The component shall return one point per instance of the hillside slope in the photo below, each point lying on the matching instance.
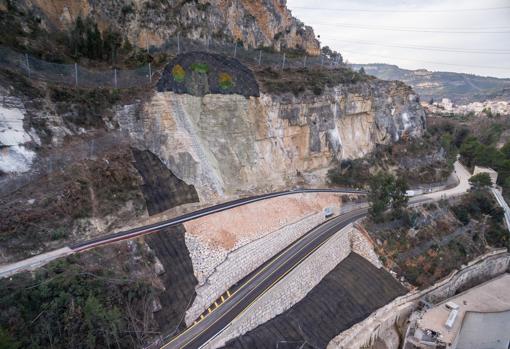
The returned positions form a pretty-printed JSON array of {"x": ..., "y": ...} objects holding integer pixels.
[{"x": 460, "y": 88}]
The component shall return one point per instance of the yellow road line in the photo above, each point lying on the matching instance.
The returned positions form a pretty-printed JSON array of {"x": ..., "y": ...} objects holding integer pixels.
[{"x": 281, "y": 253}]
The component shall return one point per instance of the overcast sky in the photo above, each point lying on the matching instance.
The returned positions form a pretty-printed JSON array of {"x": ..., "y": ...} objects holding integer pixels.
[{"x": 426, "y": 32}]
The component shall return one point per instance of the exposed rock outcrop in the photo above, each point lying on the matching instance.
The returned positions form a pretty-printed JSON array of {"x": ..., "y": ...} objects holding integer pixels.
[
  {"x": 228, "y": 144},
  {"x": 266, "y": 23}
]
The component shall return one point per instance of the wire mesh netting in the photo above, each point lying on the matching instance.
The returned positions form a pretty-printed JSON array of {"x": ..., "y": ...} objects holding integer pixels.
[{"x": 79, "y": 76}]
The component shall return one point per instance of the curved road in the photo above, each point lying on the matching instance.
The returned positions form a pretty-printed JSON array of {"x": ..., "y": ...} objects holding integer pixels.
[
  {"x": 200, "y": 333},
  {"x": 42, "y": 259}
]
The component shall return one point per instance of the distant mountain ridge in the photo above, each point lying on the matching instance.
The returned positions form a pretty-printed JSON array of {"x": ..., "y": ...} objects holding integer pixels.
[{"x": 460, "y": 88}]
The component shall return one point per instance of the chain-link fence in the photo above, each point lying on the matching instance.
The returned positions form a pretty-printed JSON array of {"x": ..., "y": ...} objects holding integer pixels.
[{"x": 79, "y": 76}]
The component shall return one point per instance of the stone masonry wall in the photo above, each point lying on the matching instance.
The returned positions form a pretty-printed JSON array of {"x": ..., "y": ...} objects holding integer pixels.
[
  {"x": 381, "y": 321},
  {"x": 290, "y": 289},
  {"x": 242, "y": 261},
  {"x": 362, "y": 244}
]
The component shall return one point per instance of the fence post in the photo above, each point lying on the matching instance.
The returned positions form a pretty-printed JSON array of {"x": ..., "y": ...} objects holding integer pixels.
[
  {"x": 304, "y": 62},
  {"x": 75, "y": 74},
  {"x": 28, "y": 65},
  {"x": 178, "y": 44},
  {"x": 115, "y": 77},
  {"x": 235, "y": 50},
  {"x": 283, "y": 61},
  {"x": 150, "y": 73},
  {"x": 260, "y": 56}
]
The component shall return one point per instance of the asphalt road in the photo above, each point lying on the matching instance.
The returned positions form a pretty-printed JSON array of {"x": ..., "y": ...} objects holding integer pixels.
[
  {"x": 44, "y": 258},
  {"x": 201, "y": 332},
  {"x": 128, "y": 234}
]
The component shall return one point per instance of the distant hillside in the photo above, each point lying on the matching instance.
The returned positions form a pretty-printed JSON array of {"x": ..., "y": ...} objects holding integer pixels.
[{"x": 460, "y": 88}]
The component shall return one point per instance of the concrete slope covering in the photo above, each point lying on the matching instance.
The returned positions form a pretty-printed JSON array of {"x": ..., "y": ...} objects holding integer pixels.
[{"x": 347, "y": 295}]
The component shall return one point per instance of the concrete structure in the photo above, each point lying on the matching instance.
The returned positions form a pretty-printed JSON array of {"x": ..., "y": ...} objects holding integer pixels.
[
  {"x": 440, "y": 326},
  {"x": 294, "y": 286},
  {"x": 493, "y": 174},
  {"x": 381, "y": 324}
]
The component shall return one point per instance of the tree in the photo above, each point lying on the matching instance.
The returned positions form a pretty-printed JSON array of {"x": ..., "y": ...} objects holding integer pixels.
[
  {"x": 431, "y": 101},
  {"x": 362, "y": 71},
  {"x": 480, "y": 181},
  {"x": 386, "y": 191}
]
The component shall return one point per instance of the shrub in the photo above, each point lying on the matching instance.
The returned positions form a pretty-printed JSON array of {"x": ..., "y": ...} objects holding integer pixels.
[
  {"x": 178, "y": 73},
  {"x": 200, "y": 68},
  {"x": 225, "y": 81}
]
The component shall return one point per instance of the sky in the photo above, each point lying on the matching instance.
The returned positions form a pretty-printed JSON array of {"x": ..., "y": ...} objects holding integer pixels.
[{"x": 468, "y": 36}]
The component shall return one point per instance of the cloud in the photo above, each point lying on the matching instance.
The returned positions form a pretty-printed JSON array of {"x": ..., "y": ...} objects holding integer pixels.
[{"x": 350, "y": 31}]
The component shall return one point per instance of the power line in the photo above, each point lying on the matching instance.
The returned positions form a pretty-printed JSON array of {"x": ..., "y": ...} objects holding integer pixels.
[
  {"x": 408, "y": 29},
  {"x": 399, "y": 10},
  {"x": 431, "y": 48},
  {"x": 430, "y": 62}
]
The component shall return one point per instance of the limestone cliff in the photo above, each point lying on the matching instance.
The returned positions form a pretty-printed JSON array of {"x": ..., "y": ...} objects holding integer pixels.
[
  {"x": 266, "y": 23},
  {"x": 227, "y": 144}
]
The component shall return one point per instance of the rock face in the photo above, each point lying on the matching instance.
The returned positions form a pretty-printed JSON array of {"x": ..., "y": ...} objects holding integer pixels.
[
  {"x": 266, "y": 23},
  {"x": 228, "y": 144}
]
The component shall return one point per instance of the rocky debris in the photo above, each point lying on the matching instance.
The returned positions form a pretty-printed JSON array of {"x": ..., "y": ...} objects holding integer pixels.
[
  {"x": 161, "y": 188},
  {"x": 344, "y": 297},
  {"x": 201, "y": 73}
]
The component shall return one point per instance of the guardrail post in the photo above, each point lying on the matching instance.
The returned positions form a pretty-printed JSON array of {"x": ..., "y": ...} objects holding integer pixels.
[
  {"x": 304, "y": 62},
  {"x": 260, "y": 56},
  {"x": 115, "y": 77},
  {"x": 150, "y": 73},
  {"x": 75, "y": 74},
  {"x": 283, "y": 61},
  {"x": 28, "y": 65}
]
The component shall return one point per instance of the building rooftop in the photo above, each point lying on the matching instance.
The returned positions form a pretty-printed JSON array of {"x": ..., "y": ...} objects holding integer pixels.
[{"x": 489, "y": 297}]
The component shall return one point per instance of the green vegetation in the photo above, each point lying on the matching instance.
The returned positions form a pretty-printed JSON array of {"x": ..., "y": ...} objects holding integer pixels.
[
  {"x": 225, "y": 81},
  {"x": 480, "y": 181},
  {"x": 202, "y": 68},
  {"x": 429, "y": 242},
  {"x": 69, "y": 304},
  {"x": 178, "y": 73},
  {"x": 386, "y": 191},
  {"x": 301, "y": 80}
]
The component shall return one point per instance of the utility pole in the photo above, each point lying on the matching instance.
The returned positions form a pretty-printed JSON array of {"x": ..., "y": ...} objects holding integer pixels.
[
  {"x": 260, "y": 56},
  {"x": 304, "y": 62},
  {"x": 150, "y": 73},
  {"x": 76, "y": 75},
  {"x": 178, "y": 43},
  {"x": 115, "y": 77},
  {"x": 322, "y": 60},
  {"x": 28, "y": 65},
  {"x": 235, "y": 49},
  {"x": 283, "y": 61}
]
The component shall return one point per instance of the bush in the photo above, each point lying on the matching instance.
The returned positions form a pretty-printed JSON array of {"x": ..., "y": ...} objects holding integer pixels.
[
  {"x": 200, "y": 68},
  {"x": 178, "y": 73},
  {"x": 225, "y": 81}
]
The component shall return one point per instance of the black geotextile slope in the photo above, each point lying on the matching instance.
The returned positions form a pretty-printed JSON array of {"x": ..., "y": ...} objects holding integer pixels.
[
  {"x": 346, "y": 296},
  {"x": 161, "y": 189},
  {"x": 170, "y": 247},
  {"x": 200, "y": 83}
]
